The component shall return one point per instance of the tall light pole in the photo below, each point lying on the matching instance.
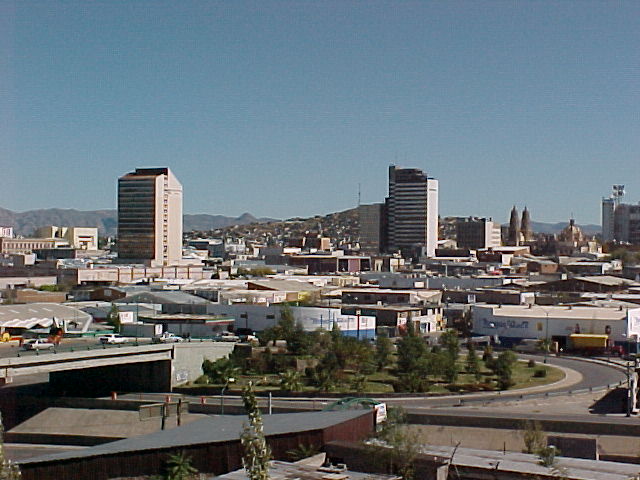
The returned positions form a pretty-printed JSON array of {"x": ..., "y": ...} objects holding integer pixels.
[
  {"x": 229, "y": 380},
  {"x": 546, "y": 337}
]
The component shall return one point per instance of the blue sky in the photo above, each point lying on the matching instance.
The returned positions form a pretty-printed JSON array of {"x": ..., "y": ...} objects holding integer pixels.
[{"x": 282, "y": 108}]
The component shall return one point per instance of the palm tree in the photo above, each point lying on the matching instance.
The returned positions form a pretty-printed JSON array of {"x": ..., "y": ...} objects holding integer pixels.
[
  {"x": 302, "y": 451},
  {"x": 290, "y": 381},
  {"x": 220, "y": 371},
  {"x": 179, "y": 467}
]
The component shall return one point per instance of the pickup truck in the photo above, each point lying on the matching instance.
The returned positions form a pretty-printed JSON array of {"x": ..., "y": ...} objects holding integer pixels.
[{"x": 38, "y": 344}]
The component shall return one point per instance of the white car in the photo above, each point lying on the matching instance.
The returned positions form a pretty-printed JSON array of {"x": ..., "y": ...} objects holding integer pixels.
[
  {"x": 167, "y": 337},
  {"x": 38, "y": 344},
  {"x": 227, "y": 337},
  {"x": 112, "y": 339}
]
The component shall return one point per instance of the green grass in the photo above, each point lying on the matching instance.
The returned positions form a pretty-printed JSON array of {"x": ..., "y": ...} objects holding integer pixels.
[
  {"x": 523, "y": 375},
  {"x": 381, "y": 382}
]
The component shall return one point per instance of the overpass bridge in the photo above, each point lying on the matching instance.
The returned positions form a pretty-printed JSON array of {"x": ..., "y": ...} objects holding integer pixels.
[{"x": 139, "y": 368}]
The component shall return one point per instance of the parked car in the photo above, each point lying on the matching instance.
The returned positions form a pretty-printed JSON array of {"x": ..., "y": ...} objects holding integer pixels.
[
  {"x": 167, "y": 337},
  {"x": 112, "y": 338},
  {"x": 227, "y": 337},
  {"x": 38, "y": 344},
  {"x": 528, "y": 345}
]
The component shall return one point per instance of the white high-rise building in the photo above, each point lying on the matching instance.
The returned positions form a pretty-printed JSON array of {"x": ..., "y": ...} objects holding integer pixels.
[
  {"x": 150, "y": 217},
  {"x": 412, "y": 211},
  {"x": 620, "y": 221}
]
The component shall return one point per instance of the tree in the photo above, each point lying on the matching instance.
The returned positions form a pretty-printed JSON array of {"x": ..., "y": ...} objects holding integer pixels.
[
  {"x": 533, "y": 436},
  {"x": 410, "y": 350},
  {"x": 290, "y": 381},
  {"x": 113, "y": 319},
  {"x": 450, "y": 370},
  {"x": 473, "y": 363},
  {"x": 503, "y": 368},
  {"x": 487, "y": 354},
  {"x": 451, "y": 343},
  {"x": 220, "y": 371},
  {"x": 359, "y": 383},
  {"x": 179, "y": 468},
  {"x": 400, "y": 445},
  {"x": 298, "y": 341},
  {"x": 8, "y": 469},
  {"x": 324, "y": 380},
  {"x": 257, "y": 453},
  {"x": 384, "y": 350}
]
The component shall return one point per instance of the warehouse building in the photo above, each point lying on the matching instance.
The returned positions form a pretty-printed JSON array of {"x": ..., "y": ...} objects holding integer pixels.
[{"x": 513, "y": 323}]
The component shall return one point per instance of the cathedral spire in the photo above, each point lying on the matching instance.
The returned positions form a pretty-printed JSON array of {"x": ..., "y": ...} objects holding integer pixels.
[{"x": 514, "y": 228}]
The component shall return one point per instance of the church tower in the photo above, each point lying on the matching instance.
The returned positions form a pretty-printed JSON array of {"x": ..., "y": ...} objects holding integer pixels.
[
  {"x": 525, "y": 226},
  {"x": 513, "y": 238}
]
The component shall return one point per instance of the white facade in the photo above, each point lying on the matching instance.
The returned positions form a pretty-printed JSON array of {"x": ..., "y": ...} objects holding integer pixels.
[
  {"x": 259, "y": 317},
  {"x": 84, "y": 238},
  {"x": 519, "y": 321},
  {"x": 6, "y": 232}
]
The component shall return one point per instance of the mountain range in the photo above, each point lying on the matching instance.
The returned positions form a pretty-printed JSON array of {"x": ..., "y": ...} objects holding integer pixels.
[{"x": 25, "y": 223}]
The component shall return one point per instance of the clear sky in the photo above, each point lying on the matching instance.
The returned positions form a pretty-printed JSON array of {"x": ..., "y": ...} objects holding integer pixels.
[{"x": 282, "y": 108}]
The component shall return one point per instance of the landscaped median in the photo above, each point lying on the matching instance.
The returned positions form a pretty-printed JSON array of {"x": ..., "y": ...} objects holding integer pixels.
[{"x": 292, "y": 361}]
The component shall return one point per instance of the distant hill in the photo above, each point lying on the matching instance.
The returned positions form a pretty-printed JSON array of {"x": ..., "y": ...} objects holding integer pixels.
[
  {"x": 540, "y": 227},
  {"x": 25, "y": 223}
]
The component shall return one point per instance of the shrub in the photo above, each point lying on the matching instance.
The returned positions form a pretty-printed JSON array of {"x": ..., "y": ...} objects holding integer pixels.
[
  {"x": 531, "y": 363},
  {"x": 540, "y": 373}
]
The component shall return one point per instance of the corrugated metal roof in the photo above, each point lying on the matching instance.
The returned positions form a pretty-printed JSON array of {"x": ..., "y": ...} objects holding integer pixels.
[
  {"x": 41, "y": 314},
  {"x": 216, "y": 429},
  {"x": 163, "y": 297}
]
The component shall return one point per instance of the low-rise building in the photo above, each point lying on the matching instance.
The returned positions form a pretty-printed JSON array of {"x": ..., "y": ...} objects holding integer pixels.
[
  {"x": 512, "y": 323},
  {"x": 331, "y": 263},
  {"x": 128, "y": 274},
  {"x": 386, "y": 296},
  {"x": 82, "y": 238},
  {"x": 475, "y": 233},
  {"x": 28, "y": 245}
]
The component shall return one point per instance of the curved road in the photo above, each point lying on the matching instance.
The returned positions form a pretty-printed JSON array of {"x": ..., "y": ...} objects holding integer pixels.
[{"x": 593, "y": 375}]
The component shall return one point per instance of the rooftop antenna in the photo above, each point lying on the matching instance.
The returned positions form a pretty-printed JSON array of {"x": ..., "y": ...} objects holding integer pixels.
[
  {"x": 618, "y": 193},
  {"x": 359, "y": 193}
]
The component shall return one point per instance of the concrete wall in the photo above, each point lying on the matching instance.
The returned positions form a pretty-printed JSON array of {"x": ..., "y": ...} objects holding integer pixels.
[
  {"x": 101, "y": 381},
  {"x": 188, "y": 357}
]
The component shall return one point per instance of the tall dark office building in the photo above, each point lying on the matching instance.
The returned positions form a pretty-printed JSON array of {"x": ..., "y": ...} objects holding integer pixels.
[
  {"x": 412, "y": 210},
  {"x": 150, "y": 217}
]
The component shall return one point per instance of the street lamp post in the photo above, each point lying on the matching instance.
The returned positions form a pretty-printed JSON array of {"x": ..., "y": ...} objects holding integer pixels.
[
  {"x": 230, "y": 380},
  {"x": 546, "y": 337}
]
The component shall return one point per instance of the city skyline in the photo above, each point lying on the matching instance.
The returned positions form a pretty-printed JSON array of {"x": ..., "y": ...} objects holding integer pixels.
[{"x": 287, "y": 110}]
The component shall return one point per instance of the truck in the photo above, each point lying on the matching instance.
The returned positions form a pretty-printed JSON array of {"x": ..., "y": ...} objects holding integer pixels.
[{"x": 592, "y": 345}]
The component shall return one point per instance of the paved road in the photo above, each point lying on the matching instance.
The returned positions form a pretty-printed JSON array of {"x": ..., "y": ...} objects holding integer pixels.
[
  {"x": 593, "y": 375},
  {"x": 12, "y": 349}
]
